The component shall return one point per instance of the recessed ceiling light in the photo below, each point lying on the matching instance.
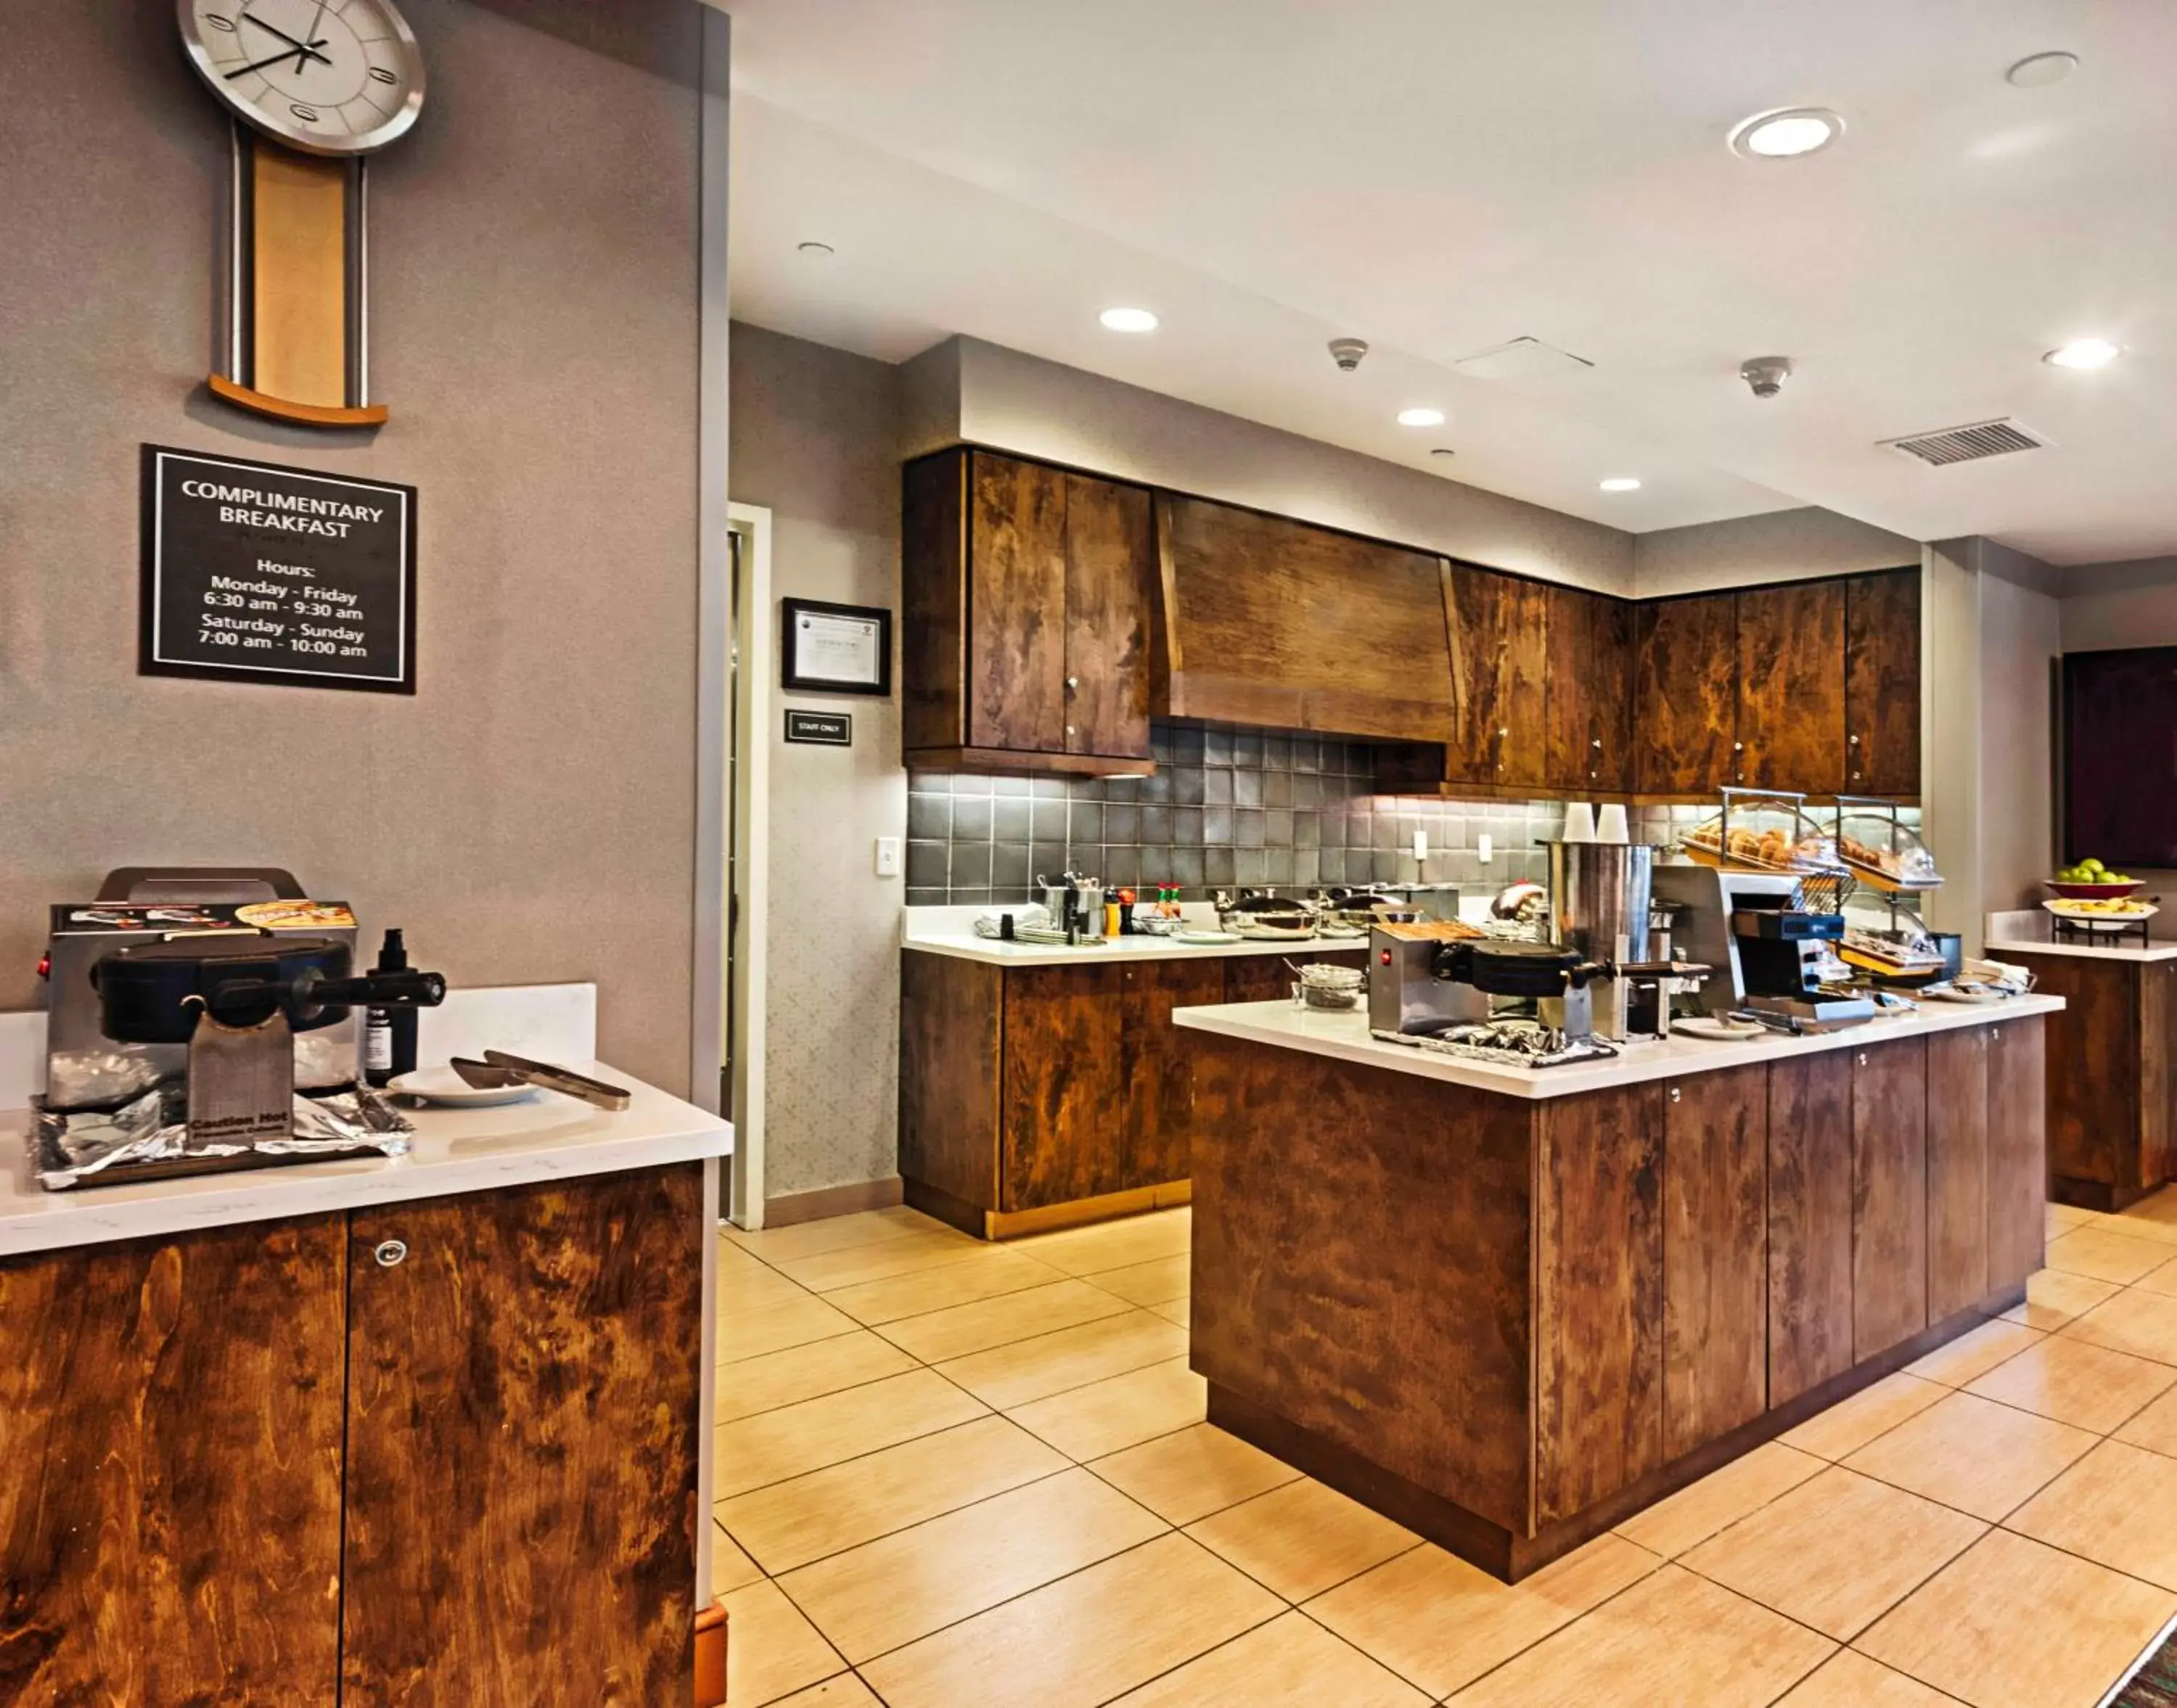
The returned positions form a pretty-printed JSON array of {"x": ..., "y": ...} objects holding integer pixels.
[
  {"x": 2084, "y": 352},
  {"x": 2039, "y": 70},
  {"x": 1128, "y": 319},
  {"x": 814, "y": 248},
  {"x": 1788, "y": 131},
  {"x": 1421, "y": 417},
  {"x": 1620, "y": 482}
]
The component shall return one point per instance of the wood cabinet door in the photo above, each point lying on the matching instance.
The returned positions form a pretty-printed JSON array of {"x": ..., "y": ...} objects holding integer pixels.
[
  {"x": 1589, "y": 690},
  {"x": 1810, "y": 1176},
  {"x": 1111, "y": 571},
  {"x": 524, "y": 1407},
  {"x": 933, "y": 567},
  {"x": 1889, "y": 1195},
  {"x": 1598, "y": 1297},
  {"x": 950, "y": 1046},
  {"x": 1016, "y": 605},
  {"x": 2094, "y": 1068},
  {"x": 170, "y": 1418},
  {"x": 2017, "y": 1150},
  {"x": 1957, "y": 1170},
  {"x": 1686, "y": 692},
  {"x": 1498, "y": 627},
  {"x": 1791, "y": 687},
  {"x": 1882, "y": 683},
  {"x": 1064, "y": 1096},
  {"x": 1160, "y": 1066},
  {"x": 2157, "y": 1072},
  {"x": 1715, "y": 1245}
]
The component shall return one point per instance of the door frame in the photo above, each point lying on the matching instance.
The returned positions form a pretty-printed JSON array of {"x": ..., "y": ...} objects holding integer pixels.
[{"x": 747, "y": 958}]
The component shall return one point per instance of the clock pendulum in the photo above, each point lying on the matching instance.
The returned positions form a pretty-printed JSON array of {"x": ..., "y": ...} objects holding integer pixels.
[{"x": 313, "y": 87}]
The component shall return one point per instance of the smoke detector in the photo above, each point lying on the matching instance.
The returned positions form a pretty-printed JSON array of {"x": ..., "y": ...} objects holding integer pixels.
[
  {"x": 1347, "y": 352},
  {"x": 1765, "y": 375}
]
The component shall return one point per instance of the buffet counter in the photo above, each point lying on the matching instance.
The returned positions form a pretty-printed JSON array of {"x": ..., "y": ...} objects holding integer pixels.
[
  {"x": 1508, "y": 1308},
  {"x": 264, "y": 1436}
]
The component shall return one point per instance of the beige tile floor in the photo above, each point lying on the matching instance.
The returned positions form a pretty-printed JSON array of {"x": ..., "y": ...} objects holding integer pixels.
[{"x": 957, "y": 1476}]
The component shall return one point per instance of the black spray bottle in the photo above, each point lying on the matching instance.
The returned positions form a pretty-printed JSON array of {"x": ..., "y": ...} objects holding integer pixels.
[{"x": 389, "y": 1034}]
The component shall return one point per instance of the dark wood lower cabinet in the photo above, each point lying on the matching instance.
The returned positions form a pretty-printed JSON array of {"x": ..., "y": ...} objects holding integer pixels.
[
  {"x": 1810, "y": 1197},
  {"x": 1716, "y": 1249},
  {"x": 170, "y": 1469},
  {"x": 1063, "y": 1133},
  {"x": 522, "y": 1420},
  {"x": 1957, "y": 1170},
  {"x": 264, "y": 1466},
  {"x": 1710, "y": 1260},
  {"x": 1598, "y": 1299},
  {"x": 1889, "y": 1195},
  {"x": 1031, "y": 1096},
  {"x": 2112, "y": 1077}
]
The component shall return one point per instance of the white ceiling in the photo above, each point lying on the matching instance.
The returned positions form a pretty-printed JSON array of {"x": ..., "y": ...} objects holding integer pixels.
[{"x": 1439, "y": 176}]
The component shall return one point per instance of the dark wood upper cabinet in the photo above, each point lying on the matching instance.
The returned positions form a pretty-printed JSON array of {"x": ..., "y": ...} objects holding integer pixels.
[
  {"x": 1686, "y": 683},
  {"x": 1497, "y": 629},
  {"x": 1588, "y": 691},
  {"x": 1882, "y": 683},
  {"x": 1016, "y": 605},
  {"x": 1790, "y": 718},
  {"x": 1274, "y": 622},
  {"x": 1030, "y": 596}
]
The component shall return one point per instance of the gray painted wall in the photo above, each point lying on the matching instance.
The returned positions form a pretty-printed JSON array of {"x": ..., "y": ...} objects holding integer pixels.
[
  {"x": 815, "y": 441},
  {"x": 2130, "y": 604},
  {"x": 1782, "y": 546},
  {"x": 528, "y": 815}
]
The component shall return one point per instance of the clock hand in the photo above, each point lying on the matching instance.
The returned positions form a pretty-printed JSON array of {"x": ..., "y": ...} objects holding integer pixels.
[
  {"x": 295, "y": 54},
  {"x": 301, "y": 49}
]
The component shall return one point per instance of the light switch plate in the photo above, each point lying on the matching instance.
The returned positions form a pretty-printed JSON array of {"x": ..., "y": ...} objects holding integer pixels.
[
  {"x": 1482, "y": 845},
  {"x": 1421, "y": 844},
  {"x": 887, "y": 856}
]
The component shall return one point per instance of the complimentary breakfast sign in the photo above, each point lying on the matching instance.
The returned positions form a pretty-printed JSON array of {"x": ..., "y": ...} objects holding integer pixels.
[{"x": 277, "y": 574}]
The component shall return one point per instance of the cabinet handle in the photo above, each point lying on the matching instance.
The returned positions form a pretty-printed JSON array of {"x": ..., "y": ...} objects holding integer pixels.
[
  {"x": 1502, "y": 733},
  {"x": 1071, "y": 684},
  {"x": 1069, "y": 729},
  {"x": 1597, "y": 743},
  {"x": 390, "y": 1253},
  {"x": 1862, "y": 1058},
  {"x": 1739, "y": 747},
  {"x": 1852, "y": 741},
  {"x": 1675, "y": 1094}
]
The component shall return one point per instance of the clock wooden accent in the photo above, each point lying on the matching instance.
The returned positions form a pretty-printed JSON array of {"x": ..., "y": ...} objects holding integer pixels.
[{"x": 315, "y": 87}]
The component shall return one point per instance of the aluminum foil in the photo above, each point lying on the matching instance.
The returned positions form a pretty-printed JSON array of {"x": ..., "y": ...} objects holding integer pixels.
[{"x": 77, "y": 1146}]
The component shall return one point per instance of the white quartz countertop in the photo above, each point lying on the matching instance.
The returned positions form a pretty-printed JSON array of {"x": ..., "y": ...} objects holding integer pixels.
[
  {"x": 454, "y": 1150},
  {"x": 1346, "y": 1036},
  {"x": 2129, "y": 951}
]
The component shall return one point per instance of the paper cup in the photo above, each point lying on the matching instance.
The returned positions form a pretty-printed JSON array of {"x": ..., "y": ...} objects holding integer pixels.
[
  {"x": 1610, "y": 826},
  {"x": 1580, "y": 822}
]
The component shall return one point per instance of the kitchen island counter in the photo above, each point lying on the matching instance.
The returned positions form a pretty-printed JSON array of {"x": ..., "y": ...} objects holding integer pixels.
[
  {"x": 1509, "y": 1307},
  {"x": 1346, "y": 1036}
]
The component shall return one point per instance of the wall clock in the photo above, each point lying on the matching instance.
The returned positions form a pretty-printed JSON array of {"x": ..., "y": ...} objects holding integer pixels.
[{"x": 313, "y": 87}]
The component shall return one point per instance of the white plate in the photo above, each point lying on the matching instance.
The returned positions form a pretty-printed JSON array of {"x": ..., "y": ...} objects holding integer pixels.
[
  {"x": 1714, "y": 1026},
  {"x": 1204, "y": 938},
  {"x": 442, "y": 1085}
]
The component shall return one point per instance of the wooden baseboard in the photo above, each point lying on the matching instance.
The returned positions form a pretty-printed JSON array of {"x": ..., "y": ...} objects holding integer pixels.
[
  {"x": 711, "y": 1657},
  {"x": 1013, "y": 1225},
  {"x": 1507, "y": 1555},
  {"x": 785, "y": 1210},
  {"x": 2095, "y": 1194}
]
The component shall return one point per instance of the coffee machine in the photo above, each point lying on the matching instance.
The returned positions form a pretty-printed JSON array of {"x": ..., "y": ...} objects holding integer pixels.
[{"x": 1765, "y": 954}]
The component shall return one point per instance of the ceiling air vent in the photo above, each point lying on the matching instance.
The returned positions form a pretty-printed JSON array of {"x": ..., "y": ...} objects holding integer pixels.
[{"x": 1967, "y": 444}]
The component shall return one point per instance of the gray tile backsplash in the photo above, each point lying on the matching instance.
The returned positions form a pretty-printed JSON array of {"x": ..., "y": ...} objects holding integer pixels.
[{"x": 1228, "y": 806}]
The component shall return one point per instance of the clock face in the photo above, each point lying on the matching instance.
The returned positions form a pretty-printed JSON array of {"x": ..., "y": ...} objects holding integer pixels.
[{"x": 335, "y": 77}]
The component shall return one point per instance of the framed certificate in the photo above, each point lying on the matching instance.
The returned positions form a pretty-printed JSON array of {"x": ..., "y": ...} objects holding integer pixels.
[{"x": 836, "y": 649}]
